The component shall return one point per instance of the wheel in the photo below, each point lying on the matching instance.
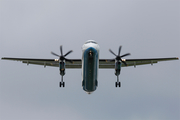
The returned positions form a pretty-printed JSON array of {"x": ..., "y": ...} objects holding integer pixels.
[
  {"x": 115, "y": 84},
  {"x": 60, "y": 84},
  {"x": 63, "y": 84},
  {"x": 119, "y": 84}
]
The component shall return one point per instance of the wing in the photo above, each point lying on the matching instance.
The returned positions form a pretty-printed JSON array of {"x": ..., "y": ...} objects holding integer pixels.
[
  {"x": 110, "y": 63},
  {"x": 47, "y": 62},
  {"x": 103, "y": 63}
]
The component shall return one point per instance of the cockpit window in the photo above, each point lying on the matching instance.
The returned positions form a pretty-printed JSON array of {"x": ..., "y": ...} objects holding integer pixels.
[
  {"x": 91, "y": 42},
  {"x": 94, "y": 42}
]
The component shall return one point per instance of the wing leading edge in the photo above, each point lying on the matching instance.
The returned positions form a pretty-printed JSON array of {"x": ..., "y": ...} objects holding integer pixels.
[{"x": 77, "y": 63}]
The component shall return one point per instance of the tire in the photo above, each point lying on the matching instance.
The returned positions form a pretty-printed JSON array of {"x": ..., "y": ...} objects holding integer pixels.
[
  {"x": 118, "y": 84},
  {"x": 63, "y": 84},
  {"x": 59, "y": 84}
]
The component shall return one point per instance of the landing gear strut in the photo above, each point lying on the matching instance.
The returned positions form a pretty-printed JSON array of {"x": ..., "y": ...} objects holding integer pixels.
[
  {"x": 62, "y": 60},
  {"x": 118, "y": 84},
  {"x": 117, "y": 73},
  {"x": 118, "y": 61},
  {"x": 62, "y": 73},
  {"x": 62, "y": 83}
]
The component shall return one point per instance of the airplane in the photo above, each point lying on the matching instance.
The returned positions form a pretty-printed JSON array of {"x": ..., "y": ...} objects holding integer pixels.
[{"x": 90, "y": 63}]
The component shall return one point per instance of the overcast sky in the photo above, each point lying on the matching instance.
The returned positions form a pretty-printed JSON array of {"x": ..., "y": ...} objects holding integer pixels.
[{"x": 34, "y": 28}]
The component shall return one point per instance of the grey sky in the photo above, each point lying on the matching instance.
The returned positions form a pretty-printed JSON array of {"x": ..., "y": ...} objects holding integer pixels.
[{"x": 145, "y": 28}]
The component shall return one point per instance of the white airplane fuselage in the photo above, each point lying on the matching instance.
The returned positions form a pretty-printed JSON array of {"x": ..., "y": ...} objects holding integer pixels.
[{"x": 90, "y": 65}]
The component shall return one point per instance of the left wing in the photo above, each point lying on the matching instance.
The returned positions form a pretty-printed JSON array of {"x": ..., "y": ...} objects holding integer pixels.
[
  {"x": 76, "y": 63},
  {"x": 110, "y": 63}
]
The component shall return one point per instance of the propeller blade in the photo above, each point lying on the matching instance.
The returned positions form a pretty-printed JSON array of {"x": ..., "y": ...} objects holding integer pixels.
[
  {"x": 68, "y": 53},
  {"x": 124, "y": 63},
  {"x": 125, "y": 55},
  {"x": 112, "y": 52},
  {"x": 61, "y": 50},
  {"x": 118, "y": 57},
  {"x": 119, "y": 50},
  {"x": 62, "y": 57},
  {"x": 55, "y": 54}
]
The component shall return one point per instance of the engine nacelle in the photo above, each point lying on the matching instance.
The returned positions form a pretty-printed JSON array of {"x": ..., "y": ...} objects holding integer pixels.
[
  {"x": 62, "y": 68},
  {"x": 117, "y": 68}
]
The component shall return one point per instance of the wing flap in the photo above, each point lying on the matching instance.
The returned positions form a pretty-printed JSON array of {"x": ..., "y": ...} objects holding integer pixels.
[
  {"x": 52, "y": 64},
  {"x": 135, "y": 62}
]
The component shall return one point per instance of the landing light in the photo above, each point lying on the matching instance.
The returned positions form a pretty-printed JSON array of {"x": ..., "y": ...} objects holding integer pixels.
[{"x": 56, "y": 59}]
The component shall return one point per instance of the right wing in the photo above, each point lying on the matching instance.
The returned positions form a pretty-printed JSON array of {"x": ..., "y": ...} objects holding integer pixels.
[{"x": 76, "y": 63}]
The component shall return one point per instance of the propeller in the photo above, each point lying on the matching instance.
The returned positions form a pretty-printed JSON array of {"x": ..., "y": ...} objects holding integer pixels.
[
  {"x": 62, "y": 57},
  {"x": 118, "y": 57}
]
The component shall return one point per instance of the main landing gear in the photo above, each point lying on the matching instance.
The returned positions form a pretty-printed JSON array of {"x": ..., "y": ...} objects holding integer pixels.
[
  {"x": 62, "y": 83},
  {"x": 118, "y": 61},
  {"x": 117, "y": 73},
  {"x": 62, "y": 60},
  {"x": 117, "y": 84}
]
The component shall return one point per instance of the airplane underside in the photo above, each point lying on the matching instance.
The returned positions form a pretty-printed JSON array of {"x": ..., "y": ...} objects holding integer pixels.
[
  {"x": 90, "y": 63},
  {"x": 90, "y": 67}
]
